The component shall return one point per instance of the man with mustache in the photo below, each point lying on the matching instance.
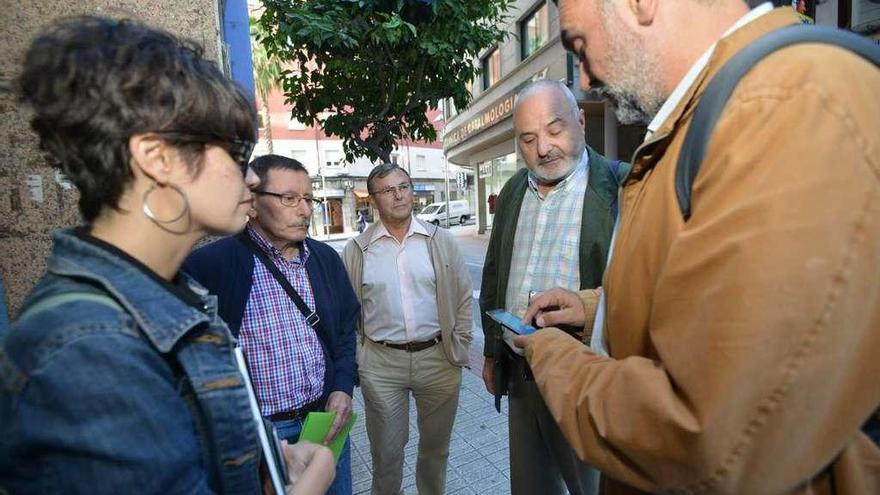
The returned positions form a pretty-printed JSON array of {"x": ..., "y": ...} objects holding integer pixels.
[
  {"x": 735, "y": 350},
  {"x": 552, "y": 228},
  {"x": 415, "y": 331},
  {"x": 298, "y": 362}
]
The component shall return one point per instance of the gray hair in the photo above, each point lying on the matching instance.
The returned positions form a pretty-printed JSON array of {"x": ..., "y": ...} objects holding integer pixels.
[
  {"x": 542, "y": 84},
  {"x": 382, "y": 170}
]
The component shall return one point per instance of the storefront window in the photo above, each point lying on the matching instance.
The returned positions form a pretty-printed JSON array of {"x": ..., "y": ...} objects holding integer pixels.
[{"x": 496, "y": 173}]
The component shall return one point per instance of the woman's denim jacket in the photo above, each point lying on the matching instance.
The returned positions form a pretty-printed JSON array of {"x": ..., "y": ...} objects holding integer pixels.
[{"x": 141, "y": 396}]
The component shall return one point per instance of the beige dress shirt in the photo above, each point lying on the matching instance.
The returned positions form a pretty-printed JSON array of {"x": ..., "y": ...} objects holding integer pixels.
[{"x": 399, "y": 288}]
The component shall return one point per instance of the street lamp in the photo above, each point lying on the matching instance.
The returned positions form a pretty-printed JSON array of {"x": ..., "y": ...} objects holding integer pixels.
[
  {"x": 442, "y": 118},
  {"x": 446, "y": 181}
]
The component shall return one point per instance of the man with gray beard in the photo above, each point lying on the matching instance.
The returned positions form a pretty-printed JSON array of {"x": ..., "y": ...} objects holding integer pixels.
[
  {"x": 734, "y": 348},
  {"x": 552, "y": 228}
]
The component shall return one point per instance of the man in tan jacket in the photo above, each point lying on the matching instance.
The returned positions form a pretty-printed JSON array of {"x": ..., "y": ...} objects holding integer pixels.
[
  {"x": 415, "y": 330},
  {"x": 742, "y": 341}
]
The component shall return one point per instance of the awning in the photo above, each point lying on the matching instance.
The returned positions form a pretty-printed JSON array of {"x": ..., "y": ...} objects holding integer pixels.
[{"x": 361, "y": 193}]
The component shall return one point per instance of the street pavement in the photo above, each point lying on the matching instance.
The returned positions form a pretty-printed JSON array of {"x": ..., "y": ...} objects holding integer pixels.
[{"x": 478, "y": 452}]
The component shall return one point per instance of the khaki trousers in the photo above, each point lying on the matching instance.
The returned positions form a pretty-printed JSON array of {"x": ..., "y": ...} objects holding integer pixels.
[{"x": 387, "y": 378}]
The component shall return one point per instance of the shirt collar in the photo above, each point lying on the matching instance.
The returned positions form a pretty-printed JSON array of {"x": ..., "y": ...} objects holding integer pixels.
[
  {"x": 581, "y": 166},
  {"x": 272, "y": 251},
  {"x": 698, "y": 66},
  {"x": 163, "y": 317},
  {"x": 415, "y": 227}
]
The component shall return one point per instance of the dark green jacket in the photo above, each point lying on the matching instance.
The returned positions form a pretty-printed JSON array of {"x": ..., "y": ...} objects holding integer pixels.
[{"x": 596, "y": 226}]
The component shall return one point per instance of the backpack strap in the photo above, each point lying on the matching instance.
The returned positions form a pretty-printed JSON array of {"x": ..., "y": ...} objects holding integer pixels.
[
  {"x": 721, "y": 86},
  {"x": 312, "y": 317}
]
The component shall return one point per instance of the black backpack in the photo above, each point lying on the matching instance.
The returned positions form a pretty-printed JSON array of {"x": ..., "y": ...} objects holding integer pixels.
[{"x": 722, "y": 85}]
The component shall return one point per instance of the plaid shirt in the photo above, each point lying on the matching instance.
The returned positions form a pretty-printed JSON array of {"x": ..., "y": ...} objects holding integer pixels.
[
  {"x": 548, "y": 234},
  {"x": 284, "y": 355}
]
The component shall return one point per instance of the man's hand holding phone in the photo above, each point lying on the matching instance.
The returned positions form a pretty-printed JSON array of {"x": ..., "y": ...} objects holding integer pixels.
[
  {"x": 555, "y": 307},
  {"x": 512, "y": 327}
]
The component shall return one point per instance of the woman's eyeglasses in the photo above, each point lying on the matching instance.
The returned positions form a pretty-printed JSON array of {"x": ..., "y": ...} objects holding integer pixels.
[{"x": 239, "y": 149}]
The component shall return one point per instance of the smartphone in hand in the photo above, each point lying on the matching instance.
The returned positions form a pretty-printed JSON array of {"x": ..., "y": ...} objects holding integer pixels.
[{"x": 510, "y": 321}]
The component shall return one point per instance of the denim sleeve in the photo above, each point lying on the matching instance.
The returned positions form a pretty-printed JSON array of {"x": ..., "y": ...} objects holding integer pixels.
[{"x": 102, "y": 414}]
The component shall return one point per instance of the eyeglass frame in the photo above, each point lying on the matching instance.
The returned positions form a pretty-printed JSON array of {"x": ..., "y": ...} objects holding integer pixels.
[
  {"x": 400, "y": 188},
  {"x": 310, "y": 202},
  {"x": 239, "y": 149}
]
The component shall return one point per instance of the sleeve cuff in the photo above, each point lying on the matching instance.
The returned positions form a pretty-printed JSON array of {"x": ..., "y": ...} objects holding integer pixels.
[{"x": 590, "y": 300}]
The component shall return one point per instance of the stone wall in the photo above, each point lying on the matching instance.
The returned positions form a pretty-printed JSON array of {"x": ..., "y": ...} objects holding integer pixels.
[{"x": 33, "y": 202}]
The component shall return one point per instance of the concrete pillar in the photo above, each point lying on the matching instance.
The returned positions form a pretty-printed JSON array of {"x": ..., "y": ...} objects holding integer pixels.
[
  {"x": 610, "y": 131},
  {"x": 349, "y": 213},
  {"x": 34, "y": 200},
  {"x": 482, "y": 208}
]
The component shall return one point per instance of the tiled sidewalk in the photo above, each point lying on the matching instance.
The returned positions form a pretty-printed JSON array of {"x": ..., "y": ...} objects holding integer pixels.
[{"x": 478, "y": 454}]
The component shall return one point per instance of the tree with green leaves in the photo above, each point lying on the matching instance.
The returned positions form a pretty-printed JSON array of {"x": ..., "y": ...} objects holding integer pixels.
[
  {"x": 368, "y": 70},
  {"x": 267, "y": 74}
]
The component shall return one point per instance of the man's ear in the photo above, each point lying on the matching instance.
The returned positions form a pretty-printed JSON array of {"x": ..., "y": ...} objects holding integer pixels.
[
  {"x": 644, "y": 11},
  {"x": 582, "y": 119},
  {"x": 150, "y": 156}
]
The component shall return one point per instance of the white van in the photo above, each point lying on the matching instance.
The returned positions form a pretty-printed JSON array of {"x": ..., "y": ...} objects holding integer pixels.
[{"x": 459, "y": 213}]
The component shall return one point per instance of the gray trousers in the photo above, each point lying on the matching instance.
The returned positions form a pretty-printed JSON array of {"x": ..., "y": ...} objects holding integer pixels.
[{"x": 541, "y": 460}]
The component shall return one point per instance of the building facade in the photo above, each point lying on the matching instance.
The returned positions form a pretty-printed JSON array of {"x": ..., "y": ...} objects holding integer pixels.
[
  {"x": 343, "y": 185},
  {"x": 480, "y": 137}
]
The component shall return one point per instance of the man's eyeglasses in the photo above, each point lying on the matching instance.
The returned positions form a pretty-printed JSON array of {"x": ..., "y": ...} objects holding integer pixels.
[
  {"x": 291, "y": 200},
  {"x": 401, "y": 188},
  {"x": 239, "y": 149}
]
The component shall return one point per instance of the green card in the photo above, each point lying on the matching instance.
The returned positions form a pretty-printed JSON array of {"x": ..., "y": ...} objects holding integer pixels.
[{"x": 317, "y": 425}]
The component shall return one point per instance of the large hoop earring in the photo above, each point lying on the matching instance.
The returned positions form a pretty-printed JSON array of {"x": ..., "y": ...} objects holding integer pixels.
[{"x": 152, "y": 216}]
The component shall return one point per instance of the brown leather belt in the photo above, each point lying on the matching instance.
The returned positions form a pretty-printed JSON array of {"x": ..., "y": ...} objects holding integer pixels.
[
  {"x": 412, "y": 346},
  {"x": 299, "y": 414}
]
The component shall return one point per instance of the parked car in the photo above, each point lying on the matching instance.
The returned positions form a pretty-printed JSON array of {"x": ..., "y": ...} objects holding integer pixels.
[{"x": 459, "y": 213}]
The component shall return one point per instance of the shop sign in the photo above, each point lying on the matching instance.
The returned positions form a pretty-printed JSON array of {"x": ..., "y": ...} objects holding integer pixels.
[
  {"x": 494, "y": 113},
  {"x": 329, "y": 193},
  {"x": 497, "y": 111},
  {"x": 423, "y": 187},
  {"x": 486, "y": 169}
]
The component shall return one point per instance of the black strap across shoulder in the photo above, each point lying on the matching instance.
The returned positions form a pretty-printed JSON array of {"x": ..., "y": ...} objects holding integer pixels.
[
  {"x": 722, "y": 85},
  {"x": 312, "y": 317}
]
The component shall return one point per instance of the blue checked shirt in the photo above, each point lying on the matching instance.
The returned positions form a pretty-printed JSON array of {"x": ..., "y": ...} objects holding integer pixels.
[
  {"x": 284, "y": 355},
  {"x": 548, "y": 234}
]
